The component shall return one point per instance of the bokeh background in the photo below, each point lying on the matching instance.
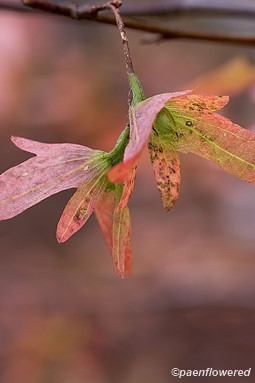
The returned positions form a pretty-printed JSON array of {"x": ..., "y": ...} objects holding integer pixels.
[{"x": 65, "y": 316}]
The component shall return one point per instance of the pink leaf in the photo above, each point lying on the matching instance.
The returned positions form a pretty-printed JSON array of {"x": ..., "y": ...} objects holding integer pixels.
[
  {"x": 141, "y": 118},
  {"x": 79, "y": 209},
  {"x": 56, "y": 167},
  {"x": 62, "y": 166},
  {"x": 45, "y": 150}
]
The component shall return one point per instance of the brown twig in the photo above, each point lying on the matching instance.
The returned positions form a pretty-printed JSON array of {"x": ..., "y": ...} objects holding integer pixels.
[
  {"x": 124, "y": 39},
  {"x": 12, "y": 7},
  {"x": 72, "y": 10},
  {"x": 242, "y": 8},
  {"x": 166, "y": 32}
]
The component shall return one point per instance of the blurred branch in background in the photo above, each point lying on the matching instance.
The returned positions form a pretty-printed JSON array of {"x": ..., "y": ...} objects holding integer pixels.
[
  {"x": 7, "y": 6},
  {"x": 131, "y": 18},
  {"x": 232, "y": 8}
]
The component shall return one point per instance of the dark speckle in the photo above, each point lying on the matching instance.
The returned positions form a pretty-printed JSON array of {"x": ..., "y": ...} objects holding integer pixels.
[{"x": 155, "y": 132}]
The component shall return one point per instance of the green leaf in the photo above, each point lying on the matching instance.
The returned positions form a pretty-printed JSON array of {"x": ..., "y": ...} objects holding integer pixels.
[{"x": 201, "y": 131}]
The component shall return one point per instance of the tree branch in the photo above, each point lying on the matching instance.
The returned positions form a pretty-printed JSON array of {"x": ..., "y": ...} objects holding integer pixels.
[
  {"x": 79, "y": 13},
  {"x": 234, "y": 8},
  {"x": 12, "y": 7}
]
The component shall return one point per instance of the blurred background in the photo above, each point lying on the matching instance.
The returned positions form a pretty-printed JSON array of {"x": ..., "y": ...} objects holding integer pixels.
[{"x": 65, "y": 316}]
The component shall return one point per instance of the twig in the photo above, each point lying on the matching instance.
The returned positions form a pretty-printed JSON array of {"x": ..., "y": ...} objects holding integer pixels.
[
  {"x": 6, "y": 6},
  {"x": 124, "y": 39},
  {"x": 74, "y": 11},
  {"x": 136, "y": 24},
  {"x": 174, "y": 7},
  {"x": 126, "y": 50}
]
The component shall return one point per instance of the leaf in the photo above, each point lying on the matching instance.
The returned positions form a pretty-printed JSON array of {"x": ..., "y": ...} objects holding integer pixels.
[
  {"x": 128, "y": 261},
  {"x": 231, "y": 78},
  {"x": 116, "y": 228},
  {"x": 212, "y": 136},
  {"x": 79, "y": 209},
  {"x": 62, "y": 166},
  {"x": 141, "y": 117},
  {"x": 166, "y": 166},
  {"x": 46, "y": 150},
  {"x": 121, "y": 239},
  {"x": 56, "y": 167},
  {"x": 192, "y": 126},
  {"x": 128, "y": 188}
]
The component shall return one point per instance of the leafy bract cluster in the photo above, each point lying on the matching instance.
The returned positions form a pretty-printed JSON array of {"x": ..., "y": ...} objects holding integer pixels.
[
  {"x": 183, "y": 122},
  {"x": 58, "y": 167},
  {"x": 169, "y": 123}
]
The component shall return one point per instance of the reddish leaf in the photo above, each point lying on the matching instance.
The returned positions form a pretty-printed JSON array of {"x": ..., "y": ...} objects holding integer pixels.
[
  {"x": 166, "y": 166},
  {"x": 116, "y": 229},
  {"x": 104, "y": 212},
  {"x": 79, "y": 209},
  {"x": 128, "y": 188}
]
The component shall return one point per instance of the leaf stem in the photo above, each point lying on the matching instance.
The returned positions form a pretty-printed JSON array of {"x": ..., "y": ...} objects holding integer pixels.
[{"x": 117, "y": 153}]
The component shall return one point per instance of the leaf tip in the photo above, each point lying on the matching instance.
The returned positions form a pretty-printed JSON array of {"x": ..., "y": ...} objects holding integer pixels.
[
  {"x": 14, "y": 139},
  {"x": 62, "y": 235},
  {"x": 120, "y": 273},
  {"x": 60, "y": 238},
  {"x": 168, "y": 208}
]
